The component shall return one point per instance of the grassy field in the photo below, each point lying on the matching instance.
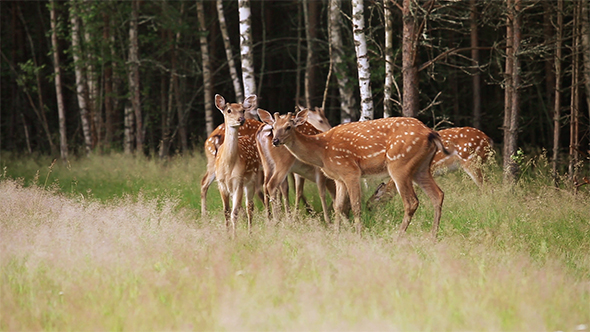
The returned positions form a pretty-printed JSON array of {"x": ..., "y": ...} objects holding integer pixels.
[{"x": 118, "y": 243}]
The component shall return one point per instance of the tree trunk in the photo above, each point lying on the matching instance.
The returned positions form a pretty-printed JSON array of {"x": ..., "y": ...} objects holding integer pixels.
[
  {"x": 208, "y": 89},
  {"x": 411, "y": 98},
  {"x": 81, "y": 86},
  {"x": 310, "y": 15},
  {"x": 246, "y": 49},
  {"x": 347, "y": 99},
  {"x": 89, "y": 59},
  {"x": 476, "y": 76},
  {"x": 511, "y": 167},
  {"x": 586, "y": 53},
  {"x": 167, "y": 98},
  {"x": 63, "y": 140},
  {"x": 230, "y": 57},
  {"x": 108, "y": 83},
  {"x": 129, "y": 129},
  {"x": 575, "y": 95},
  {"x": 557, "y": 100},
  {"x": 388, "y": 87},
  {"x": 133, "y": 72},
  {"x": 549, "y": 39},
  {"x": 177, "y": 93},
  {"x": 362, "y": 58}
]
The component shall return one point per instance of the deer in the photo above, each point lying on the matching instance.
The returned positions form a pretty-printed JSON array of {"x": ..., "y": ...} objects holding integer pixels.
[
  {"x": 237, "y": 162},
  {"x": 401, "y": 148},
  {"x": 317, "y": 118},
  {"x": 278, "y": 162},
  {"x": 211, "y": 147},
  {"x": 469, "y": 150}
]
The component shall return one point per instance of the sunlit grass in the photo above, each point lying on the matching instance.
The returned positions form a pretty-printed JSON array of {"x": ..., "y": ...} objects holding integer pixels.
[{"x": 127, "y": 250}]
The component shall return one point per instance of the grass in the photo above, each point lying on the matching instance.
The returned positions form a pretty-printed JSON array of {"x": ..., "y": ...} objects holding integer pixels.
[{"x": 87, "y": 246}]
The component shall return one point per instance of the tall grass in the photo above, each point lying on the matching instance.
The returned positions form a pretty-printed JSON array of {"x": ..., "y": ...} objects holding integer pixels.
[{"x": 78, "y": 255}]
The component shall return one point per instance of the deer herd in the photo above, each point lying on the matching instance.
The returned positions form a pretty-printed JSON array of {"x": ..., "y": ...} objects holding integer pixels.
[{"x": 248, "y": 157}]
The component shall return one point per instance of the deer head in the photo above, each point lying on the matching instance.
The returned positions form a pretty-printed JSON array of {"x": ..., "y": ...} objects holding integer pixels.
[{"x": 235, "y": 114}]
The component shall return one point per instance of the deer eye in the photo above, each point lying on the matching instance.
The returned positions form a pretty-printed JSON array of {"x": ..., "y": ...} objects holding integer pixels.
[{"x": 288, "y": 128}]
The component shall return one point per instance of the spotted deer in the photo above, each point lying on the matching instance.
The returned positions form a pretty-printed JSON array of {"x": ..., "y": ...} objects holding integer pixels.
[
  {"x": 402, "y": 148},
  {"x": 237, "y": 162},
  {"x": 212, "y": 144},
  {"x": 278, "y": 162},
  {"x": 469, "y": 150}
]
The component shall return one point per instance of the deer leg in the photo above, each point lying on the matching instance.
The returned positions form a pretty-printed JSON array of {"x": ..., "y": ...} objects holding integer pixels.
[
  {"x": 205, "y": 184},
  {"x": 249, "y": 192},
  {"x": 341, "y": 196},
  {"x": 236, "y": 205},
  {"x": 226, "y": 204},
  {"x": 299, "y": 197},
  {"x": 425, "y": 180},
  {"x": 354, "y": 194},
  {"x": 275, "y": 182},
  {"x": 410, "y": 200},
  {"x": 285, "y": 193},
  {"x": 321, "y": 183}
]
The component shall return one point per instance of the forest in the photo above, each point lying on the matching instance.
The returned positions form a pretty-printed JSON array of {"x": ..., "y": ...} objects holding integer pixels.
[{"x": 87, "y": 77}]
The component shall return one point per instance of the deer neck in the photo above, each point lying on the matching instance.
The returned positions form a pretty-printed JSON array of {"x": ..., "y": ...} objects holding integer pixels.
[
  {"x": 230, "y": 147},
  {"x": 308, "y": 148}
]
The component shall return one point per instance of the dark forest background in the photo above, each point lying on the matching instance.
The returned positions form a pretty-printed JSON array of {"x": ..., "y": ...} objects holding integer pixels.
[{"x": 171, "y": 68}]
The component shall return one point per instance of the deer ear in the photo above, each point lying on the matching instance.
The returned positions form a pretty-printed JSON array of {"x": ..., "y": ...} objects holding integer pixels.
[
  {"x": 250, "y": 103},
  {"x": 219, "y": 102},
  {"x": 300, "y": 118},
  {"x": 265, "y": 117}
]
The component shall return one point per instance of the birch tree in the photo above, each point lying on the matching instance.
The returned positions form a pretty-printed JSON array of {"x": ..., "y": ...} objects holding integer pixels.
[
  {"x": 347, "y": 99},
  {"x": 229, "y": 55},
  {"x": 81, "y": 85},
  {"x": 246, "y": 48},
  {"x": 364, "y": 70},
  {"x": 208, "y": 89},
  {"x": 89, "y": 60},
  {"x": 63, "y": 140},
  {"x": 133, "y": 73}
]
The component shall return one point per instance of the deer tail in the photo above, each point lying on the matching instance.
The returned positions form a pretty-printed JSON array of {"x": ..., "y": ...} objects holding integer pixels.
[{"x": 435, "y": 138}]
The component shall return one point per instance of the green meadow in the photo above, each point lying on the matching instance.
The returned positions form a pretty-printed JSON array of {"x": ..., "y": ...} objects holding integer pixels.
[{"x": 112, "y": 242}]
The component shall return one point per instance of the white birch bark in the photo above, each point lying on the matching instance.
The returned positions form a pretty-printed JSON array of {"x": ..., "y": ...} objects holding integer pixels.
[
  {"x": 246, "y": 48},
  {"x": 63, "y": 140},
  {"x": 364, "y": 72},
  {"x": 94, "y": 108},
  {"x": 208, "y": 89},
  {"x": 229, "y": 54},
  {"x": 80, "y": 78}
]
